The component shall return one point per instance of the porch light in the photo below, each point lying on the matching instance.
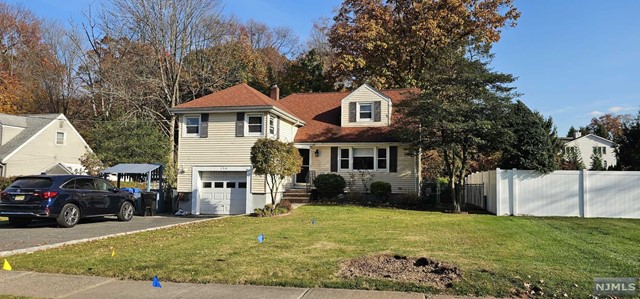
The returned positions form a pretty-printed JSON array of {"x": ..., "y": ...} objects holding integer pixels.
[{"x": 316, "y": 153}]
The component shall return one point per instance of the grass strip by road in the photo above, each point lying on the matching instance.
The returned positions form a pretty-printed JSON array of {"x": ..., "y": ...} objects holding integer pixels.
[{"x": 495, "y": 254}]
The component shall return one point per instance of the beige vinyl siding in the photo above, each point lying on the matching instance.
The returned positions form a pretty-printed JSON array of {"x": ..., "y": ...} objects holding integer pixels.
[
  {"x": 8, "y": 132},
  {"x": 42, "y": 151},
  {"x": 401, "y": 182},
  {"x": 287, "y": 131},
  {"x": 220, "y": 148},
  {"x": 364, "y": 95}
]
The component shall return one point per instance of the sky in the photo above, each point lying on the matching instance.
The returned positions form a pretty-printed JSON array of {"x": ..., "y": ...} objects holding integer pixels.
[{"x": 574, "y": 59}]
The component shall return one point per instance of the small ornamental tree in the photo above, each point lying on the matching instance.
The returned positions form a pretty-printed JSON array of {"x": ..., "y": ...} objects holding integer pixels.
[{"x": 276, "y": 160}]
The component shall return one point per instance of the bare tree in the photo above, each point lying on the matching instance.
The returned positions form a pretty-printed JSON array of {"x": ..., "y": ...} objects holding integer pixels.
[
  {"x": 172, "y": 28},
  {"x": 59, "y": 77},
  {"x": 281, "y": 39}
]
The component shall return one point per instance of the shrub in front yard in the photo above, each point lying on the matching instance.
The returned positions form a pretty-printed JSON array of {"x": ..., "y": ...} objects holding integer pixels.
[
  {"x": 6, "y": 181},
  {"x": 283, "y": 207},
  {"x": 329, "y": 185},
  {"x": 381, "y": 190}
]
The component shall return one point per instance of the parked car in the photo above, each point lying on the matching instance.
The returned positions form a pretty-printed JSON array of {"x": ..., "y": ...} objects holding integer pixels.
[{"x": 65, "y": 198}]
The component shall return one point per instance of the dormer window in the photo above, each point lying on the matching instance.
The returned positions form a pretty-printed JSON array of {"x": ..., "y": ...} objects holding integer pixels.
[{"x": 365, "y": 111}]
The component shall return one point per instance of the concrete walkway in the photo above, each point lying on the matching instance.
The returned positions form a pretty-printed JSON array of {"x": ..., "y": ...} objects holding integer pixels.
[{"x": 43, "y": 285}]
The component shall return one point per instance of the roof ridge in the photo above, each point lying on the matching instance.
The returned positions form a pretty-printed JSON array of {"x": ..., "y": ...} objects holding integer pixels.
[
  {"x": 261, "y": 96},
  {"x": 350, "y": 91}
]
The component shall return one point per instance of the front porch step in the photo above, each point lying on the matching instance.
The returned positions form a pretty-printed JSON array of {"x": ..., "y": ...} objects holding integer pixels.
[
  {"x": 296, "y": 200},
  {"x": 296, "y": 195},
  {"x": 297, "y": 191}
]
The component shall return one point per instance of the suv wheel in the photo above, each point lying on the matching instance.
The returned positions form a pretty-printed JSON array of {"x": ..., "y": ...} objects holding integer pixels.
[
  {"x": 19, "y": 222},
  {"x": 69, "y": 216},
  {"x": 126, "y": 211}
]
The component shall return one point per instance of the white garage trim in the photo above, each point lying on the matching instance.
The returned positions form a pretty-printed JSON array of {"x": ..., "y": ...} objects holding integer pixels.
[{"x": 196, "y": 182}]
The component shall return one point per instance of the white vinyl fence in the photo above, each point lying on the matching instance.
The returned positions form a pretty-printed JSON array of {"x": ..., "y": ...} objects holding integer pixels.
[{"x": 579, "y": 193}]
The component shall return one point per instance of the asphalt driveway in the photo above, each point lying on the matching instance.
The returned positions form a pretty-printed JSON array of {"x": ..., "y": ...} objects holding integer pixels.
[{"x": 46, "y": 233}]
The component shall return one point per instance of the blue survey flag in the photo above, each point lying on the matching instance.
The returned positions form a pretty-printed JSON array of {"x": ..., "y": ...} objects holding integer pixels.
[
  {"x": 260, "y": 238},
  {"x": 156, "y": 282}
]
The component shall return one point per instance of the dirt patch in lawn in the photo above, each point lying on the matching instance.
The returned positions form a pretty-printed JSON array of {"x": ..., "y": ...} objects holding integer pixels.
[{"x": 401, "y": 268}]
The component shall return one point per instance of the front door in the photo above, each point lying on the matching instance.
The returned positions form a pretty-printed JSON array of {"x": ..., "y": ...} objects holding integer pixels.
[{"x": 301, "y": 177}]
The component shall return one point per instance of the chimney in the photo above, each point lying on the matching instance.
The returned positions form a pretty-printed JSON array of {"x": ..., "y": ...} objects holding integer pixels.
[
  {"x": 576, "y": 135},
  {"x": 275, "y": 92}
]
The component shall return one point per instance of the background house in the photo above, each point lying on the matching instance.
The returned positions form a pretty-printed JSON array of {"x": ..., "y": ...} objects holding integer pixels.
[
  {"x": 589, "y": 144},
  {"x": 36, "y": 143}
]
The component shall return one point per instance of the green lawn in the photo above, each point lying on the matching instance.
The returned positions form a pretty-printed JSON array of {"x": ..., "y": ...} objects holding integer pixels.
[{"x": 496, "y": 254}]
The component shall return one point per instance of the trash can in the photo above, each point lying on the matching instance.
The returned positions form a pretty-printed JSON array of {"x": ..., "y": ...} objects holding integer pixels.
[{"x": 149, "y": 199}]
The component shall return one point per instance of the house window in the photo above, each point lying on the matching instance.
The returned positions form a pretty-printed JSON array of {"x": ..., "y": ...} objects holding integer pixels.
[
  {"x": 382, "y": 158},
  {"x": 601, "y": 150},
  {"x": 344, "y": 159},
  {"x": 60, "y": 138},
  {"x": 254, "y": 125},
  {"x": 605, "y": 164},
  {"x": 365, "y": 111},
  {"x": 363, "y": 158},
  {"x": 191, "y": 125},
  {"x": 273, "y": 125}
]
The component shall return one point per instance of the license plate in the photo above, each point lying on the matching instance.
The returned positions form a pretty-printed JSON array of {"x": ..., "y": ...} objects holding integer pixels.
[{"x": 19, "y": 197}]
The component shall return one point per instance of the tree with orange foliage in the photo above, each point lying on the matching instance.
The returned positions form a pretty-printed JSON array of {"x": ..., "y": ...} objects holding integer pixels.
[
  {"x": 389, "y": 43},
  {"x": 22, "y": 54}
]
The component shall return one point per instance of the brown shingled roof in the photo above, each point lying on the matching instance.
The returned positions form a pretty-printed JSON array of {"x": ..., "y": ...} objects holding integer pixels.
[
  {"x": 321, "y": 112},
  {"x": 241, "y": 95}
]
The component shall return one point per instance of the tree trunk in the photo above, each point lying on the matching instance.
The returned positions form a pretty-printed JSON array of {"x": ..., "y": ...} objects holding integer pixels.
[
  {"x": 457, "y": 202},
  {"x": 450, "y": 164}
]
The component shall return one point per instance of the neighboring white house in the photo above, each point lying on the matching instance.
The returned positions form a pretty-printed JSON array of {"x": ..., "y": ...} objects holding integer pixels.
[
  {"x": 37, "y": 143},
  {"x": 589, "y": 144},
  {"x": 336, "y": 132}
]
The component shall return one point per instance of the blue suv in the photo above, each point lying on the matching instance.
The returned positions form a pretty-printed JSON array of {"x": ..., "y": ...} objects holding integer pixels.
[{"x": 66, "y": 198}]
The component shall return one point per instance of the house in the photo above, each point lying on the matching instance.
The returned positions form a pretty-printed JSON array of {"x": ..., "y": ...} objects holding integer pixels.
[
  {"x": 589, "y": 144},
  {"x": 37, "y": 143},
  {"x": 338, "y": 132}
]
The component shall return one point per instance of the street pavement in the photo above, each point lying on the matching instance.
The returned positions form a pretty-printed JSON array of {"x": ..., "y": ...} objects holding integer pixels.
[{"x": 46, "y": 234}]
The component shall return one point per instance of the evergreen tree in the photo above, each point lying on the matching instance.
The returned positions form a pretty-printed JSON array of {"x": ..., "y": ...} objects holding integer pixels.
[
  {"x": 572, "y": 159},
  {"x": 628, "y": 151},
  {"x": 596, "y": 161},
  {"x": 534, "y": 145},
  {"x": 572, "y": 132},
  {"x": 460, "y": 112},
  {"x": 129, "y": 141}
]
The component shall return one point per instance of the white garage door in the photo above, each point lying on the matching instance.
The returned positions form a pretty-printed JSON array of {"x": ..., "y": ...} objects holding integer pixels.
[{"x": 223, "y": 192}]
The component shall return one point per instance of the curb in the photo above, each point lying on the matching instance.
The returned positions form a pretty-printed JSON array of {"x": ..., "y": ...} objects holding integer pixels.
[{"x": 56, "y": 245}]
